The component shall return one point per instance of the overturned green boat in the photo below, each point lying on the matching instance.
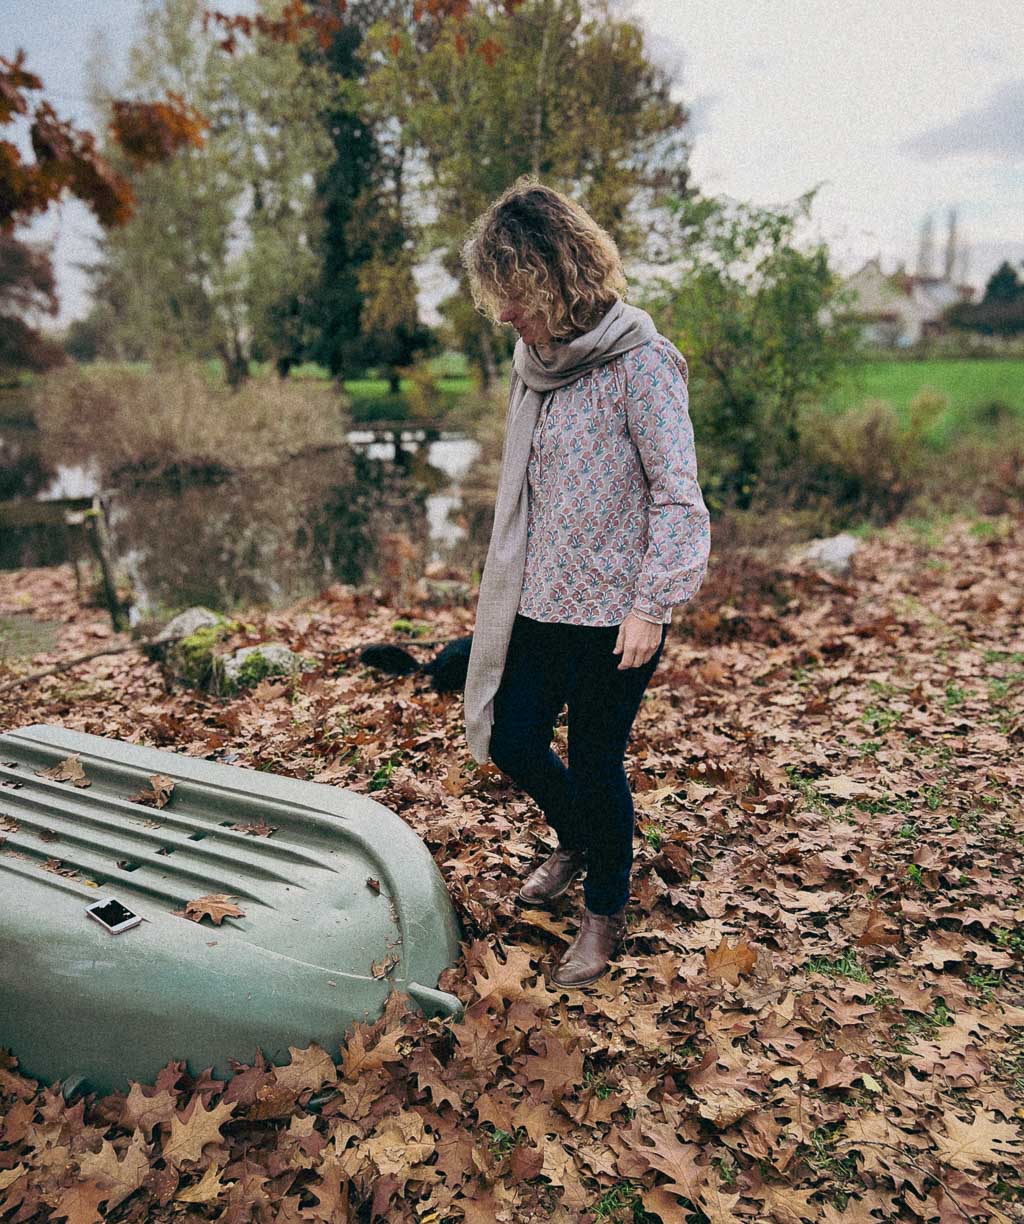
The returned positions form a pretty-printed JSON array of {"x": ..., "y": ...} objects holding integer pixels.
[{"x": 309, "y": 904}]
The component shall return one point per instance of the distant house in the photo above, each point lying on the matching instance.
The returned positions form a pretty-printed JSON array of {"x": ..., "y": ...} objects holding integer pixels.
[{"x": 901, "y": 309}]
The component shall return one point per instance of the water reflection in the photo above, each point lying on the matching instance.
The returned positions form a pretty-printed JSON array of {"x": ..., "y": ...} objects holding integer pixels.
[{"x": 268, "y": 537}]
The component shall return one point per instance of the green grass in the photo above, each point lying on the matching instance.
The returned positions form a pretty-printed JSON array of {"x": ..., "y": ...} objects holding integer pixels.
[
  {"x": 967, "y": 384},
  {"x": 844, "y": 966}
]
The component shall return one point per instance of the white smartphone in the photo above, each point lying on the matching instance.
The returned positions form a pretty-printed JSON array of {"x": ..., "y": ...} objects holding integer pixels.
[{"x": 113, "y": 915}]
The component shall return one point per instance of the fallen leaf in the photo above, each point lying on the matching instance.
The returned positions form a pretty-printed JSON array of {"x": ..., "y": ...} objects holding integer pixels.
[
  {"x": 123, "y": 1176},
  {"x": 983, "y": 1140},
  {"x": 215, "y": 906},
  {"x": 258, "y": 828},
  {"x": 144, "y": 1111},
  {"x": 383, "y": 967},
  {"x": 68, "y": 770},
  {"x": 193, "y": 1129},
  {"x": 80, "y": 1202},
  {"x": 311, "y": 1067},
  {"x": 206, "y": 1190},
  {"x": 846, "y": 788},
  {"x": 729, "y": 961},
  {"x": 159, "y": 794}
]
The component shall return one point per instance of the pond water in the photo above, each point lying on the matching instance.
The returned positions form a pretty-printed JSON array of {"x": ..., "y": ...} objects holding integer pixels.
[{"x": 268, "y": 537}]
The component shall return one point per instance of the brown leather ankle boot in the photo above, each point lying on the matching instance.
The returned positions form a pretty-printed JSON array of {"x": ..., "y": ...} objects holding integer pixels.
[
  {"x": 589, "y": 954},
  {"x": 553, "y": 877}
]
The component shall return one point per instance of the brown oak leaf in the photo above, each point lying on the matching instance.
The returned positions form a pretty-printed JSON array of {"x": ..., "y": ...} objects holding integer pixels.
[
  {"x": 847, "y": 788},
  {"x": 309, "y": 1068},
  {"x": 874, "y": 927},
  {"x": 193, "y": 1129},
  {"x": 159, "y": 794},
  {"x": 68, "y": 770},
  {"x": 258, "y": 828},
  {"x": 215, "y": 906},
  {"x": 983, "y": 1140},
  {"x": 728, "y": 961},
  {"x": 124, "y": 1176},
  {"x": 503, "y": 981},
  {"x": 80, "y": 1202},
  {"x": 207, "y": 1190},
  {"x": 143, "y": 1111}
]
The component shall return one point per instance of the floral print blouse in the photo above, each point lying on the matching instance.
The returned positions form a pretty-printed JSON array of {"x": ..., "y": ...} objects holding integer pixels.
[{"x": 616, "y": 520}]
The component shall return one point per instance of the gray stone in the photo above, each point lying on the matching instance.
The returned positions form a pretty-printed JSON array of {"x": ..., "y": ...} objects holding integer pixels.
[
  {"x": 834, "y": 554},
  {"x": 185, "y": 645},
  {"x": 250, "y": 664},
  {"x": 187, "y": 622}
]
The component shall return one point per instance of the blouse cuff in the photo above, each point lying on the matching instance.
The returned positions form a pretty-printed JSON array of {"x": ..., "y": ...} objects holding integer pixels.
[{"x": 652, "y": 616}]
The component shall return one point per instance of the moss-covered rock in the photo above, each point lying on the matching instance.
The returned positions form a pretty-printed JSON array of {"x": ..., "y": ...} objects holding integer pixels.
[
  {"x": 251, "y": 664},
  {"x": 192, "y": 659}
]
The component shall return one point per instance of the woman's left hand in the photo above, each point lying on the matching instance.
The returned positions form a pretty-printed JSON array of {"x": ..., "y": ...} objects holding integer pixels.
[{"x": 638, "y": 640}]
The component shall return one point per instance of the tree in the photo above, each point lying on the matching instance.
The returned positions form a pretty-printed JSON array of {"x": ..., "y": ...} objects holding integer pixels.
[
  {"x": 1000, "y": 311},
  {"x": 558, "y": 88},
  {"x": 26, "y": 288},
  {"x": 166, "y": 279},
  {"x": 759, "y": 321},
  {"x": 218, "y": 259},
  {"x": 65, "y": 159},
  {"x": 335, "y": 307},
  {"x": 274, "y": 102},
  {"x": 1004, "y": 285}
]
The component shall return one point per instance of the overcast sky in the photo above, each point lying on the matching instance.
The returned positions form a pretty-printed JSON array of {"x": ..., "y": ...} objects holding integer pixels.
[{"x": 899, "y": 111}]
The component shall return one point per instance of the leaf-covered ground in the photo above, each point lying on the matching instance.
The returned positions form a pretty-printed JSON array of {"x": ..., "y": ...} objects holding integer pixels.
[{"x": 818, "y": 1012}]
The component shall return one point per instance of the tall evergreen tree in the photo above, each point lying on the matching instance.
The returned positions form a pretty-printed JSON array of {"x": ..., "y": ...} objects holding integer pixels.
[
  {"x": 1004, "y": 285},
  {"x": 336, "y": 303}
]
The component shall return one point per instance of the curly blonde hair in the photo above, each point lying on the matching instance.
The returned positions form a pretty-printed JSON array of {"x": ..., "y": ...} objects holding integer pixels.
[{"x": 536, "y": 247}]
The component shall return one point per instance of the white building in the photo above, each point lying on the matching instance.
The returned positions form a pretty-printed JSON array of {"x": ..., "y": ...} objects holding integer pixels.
[{"x": 901, "y": 309}]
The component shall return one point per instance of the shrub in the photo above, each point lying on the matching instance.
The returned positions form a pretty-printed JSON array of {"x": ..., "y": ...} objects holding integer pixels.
[
  {"x": 763, "y": 326},
  {"x": 173, "y": 416},
  {"x": 746, "y": 574},
  {"x": 867, "y": 464},
  {"x": 422, "y": 395}
]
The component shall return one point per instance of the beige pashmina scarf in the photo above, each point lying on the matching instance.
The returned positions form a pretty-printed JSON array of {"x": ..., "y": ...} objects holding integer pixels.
[{"x": 536, "y": 372}]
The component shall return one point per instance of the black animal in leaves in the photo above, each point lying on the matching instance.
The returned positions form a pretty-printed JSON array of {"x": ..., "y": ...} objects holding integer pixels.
[{"x": 447, "y": 670}]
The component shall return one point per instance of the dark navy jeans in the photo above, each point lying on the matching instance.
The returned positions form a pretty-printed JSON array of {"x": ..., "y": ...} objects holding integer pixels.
[{"x": 588, "y": 803}]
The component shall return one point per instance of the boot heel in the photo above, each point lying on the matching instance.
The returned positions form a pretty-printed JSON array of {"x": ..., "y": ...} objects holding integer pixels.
[{"x": 552, "y": 879}]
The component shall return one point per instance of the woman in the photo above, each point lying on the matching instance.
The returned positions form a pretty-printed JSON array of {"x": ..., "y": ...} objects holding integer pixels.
[{"x": 599, "y": 530}]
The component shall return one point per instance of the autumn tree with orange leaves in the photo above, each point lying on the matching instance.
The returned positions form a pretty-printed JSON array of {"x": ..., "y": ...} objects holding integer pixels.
[{"x": 64, "y": 160}]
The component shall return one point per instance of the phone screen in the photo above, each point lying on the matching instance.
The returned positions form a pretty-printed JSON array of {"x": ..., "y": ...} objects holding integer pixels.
[{"x": 112, "y": 913}]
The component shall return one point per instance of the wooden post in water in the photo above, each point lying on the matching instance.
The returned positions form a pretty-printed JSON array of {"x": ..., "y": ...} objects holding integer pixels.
[{"x": 94, "y": 522}]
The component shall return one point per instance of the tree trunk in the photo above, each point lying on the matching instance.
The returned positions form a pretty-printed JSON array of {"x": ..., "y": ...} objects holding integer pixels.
[
  {"x": 487, "y": 363},
  {"x": 538, "y": 113},
  {"x": 236, "y": 362}
]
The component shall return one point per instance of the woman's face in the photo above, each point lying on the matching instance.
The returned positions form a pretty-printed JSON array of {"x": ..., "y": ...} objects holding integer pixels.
[{"x": 531, "y": 330}]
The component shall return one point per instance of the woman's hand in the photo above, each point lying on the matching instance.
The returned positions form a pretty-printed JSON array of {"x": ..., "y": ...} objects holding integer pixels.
[{"x": 638, "y": 640}]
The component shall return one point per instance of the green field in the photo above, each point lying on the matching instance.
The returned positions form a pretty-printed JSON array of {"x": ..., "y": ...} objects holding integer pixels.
[{"x": 968, "y": 385}]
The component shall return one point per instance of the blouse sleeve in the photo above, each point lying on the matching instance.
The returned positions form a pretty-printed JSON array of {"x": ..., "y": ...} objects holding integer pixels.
[{"x": 679, "y": 529}]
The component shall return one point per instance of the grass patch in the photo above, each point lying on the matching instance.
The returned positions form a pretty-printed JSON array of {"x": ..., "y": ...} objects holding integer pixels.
[
  {"x": 820, "y": 1153},
  {"x": 967, "y": 384},
  {"x": 879, "y": 719},
  {"x": 622, "y": 1203},
  {"x": 845, "y": 966}
]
